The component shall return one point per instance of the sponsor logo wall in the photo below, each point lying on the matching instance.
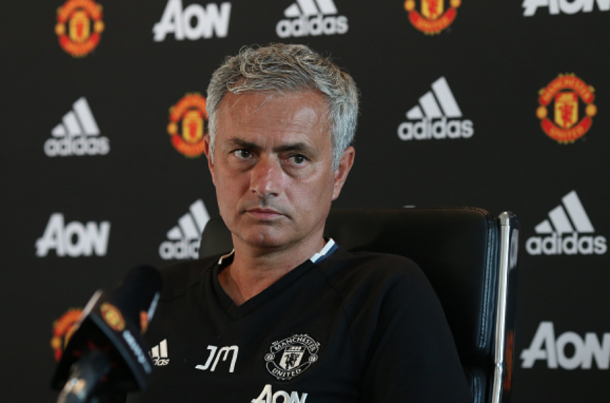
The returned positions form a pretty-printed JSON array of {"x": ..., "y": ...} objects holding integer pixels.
[{"x": 502, "y": 105}]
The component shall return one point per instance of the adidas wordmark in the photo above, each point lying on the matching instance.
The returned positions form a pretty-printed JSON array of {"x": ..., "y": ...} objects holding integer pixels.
[
  {"x": 436, "y": 116},
  {"x": 564, "y": 231},
  {"x": 311, "y": 18},
  {"x": 77, "y": 134},
  {"x": 183, "y": 239}
]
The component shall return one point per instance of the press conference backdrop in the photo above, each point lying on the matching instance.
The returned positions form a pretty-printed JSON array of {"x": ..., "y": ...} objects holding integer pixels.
[{"x": 503, "y": 105}]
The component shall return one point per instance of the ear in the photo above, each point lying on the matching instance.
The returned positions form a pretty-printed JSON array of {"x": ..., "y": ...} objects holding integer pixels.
[
  {"x": 345, "y": 165},
  {"x": 208, "y": 153}
]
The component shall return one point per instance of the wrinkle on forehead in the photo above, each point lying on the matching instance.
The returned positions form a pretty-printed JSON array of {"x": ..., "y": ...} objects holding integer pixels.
[{"x": 271, "y": 95}]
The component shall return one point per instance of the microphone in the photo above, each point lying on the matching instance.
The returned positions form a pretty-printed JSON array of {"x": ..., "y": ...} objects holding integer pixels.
[{"x": 107, "y": 352}]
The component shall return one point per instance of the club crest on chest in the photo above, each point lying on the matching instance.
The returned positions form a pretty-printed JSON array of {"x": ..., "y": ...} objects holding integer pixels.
[{"x": 290, "y": 357}]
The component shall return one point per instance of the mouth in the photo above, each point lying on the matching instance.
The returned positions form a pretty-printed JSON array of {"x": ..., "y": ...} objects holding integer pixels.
[{"x": 264, "y": 213}]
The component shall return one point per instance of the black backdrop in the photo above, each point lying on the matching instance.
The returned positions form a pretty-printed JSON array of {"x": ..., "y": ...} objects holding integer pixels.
[{"x": 136, "y": 198}]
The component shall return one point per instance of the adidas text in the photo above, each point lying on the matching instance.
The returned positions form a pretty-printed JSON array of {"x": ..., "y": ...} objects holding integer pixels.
[
  {"x": 73, "y": 239},
  {"x": 546, "y": 347},
  {"x": 427, "y": 129},
  {"x": 315, "y": 26},
  {"x": 179, "y": 250},
  {"x": 78, "y": 134},
  {"x": 267, "y": 396},
  {"x": 568, "y": 244},
  {"x": 79, "y": 145},
  {"x": 207, "y": 21},
  {"x": 564, "y": 6}
]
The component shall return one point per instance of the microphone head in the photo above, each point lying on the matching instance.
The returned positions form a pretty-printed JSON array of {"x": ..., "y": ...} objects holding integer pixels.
[
  {"x": 138, "y": 292},
  {"x": 112, "y": 324}
]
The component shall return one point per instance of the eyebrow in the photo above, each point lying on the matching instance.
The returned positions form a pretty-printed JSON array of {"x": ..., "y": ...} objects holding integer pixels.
[{"x": 299, "y": 146}]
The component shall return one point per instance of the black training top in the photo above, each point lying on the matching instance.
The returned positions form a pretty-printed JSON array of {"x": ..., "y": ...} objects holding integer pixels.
[{"x": 352, "y": 327}]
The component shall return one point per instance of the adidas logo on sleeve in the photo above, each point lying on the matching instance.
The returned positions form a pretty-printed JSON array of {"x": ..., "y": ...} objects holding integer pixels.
[
  {"x": 311, "y": 18},
  {"x": 436, "y": 117},
  {"x": 159, "y": 354},
  {"x": 564, "y": 231},
  {"x": 183, "y": 239},
  {"x": 77, "y": 134}
]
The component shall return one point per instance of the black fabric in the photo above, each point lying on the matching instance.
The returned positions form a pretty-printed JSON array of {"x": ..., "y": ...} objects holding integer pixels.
[
  {"x": 381, "y": 331},
  {"x": 457, "y": 249}
]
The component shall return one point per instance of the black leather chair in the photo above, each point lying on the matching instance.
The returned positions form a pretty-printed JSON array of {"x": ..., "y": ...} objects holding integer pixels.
[{"x": 469, "y": 257}]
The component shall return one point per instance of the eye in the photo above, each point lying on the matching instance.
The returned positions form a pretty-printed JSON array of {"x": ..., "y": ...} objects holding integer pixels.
[
  {"x": 298, "y": 159},
  {"x": 242, "y": 154}
]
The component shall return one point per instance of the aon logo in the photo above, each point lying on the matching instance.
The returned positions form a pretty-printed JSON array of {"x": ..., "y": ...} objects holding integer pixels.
[
  {"x": 73, "y": 239},
  {"x": 194, "y": 22},
  {"x": 267, "y": 396},
  {"x": 568, "y": 351},
  {"x": 564, "y": 6}
]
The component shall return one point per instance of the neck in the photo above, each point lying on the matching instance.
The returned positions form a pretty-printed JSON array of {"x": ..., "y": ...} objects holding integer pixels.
[{"x": 253, "y": 269}]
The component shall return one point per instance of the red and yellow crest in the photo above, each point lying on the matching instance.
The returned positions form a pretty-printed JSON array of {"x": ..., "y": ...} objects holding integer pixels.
[
  {"x": 567, "y": 92},
  {"x": 79, "y": 26},
  {"x": 112, "y": 316},
  {"x": 63, "y": 328},
  {"x": 187, "y": 124},
  {"x": 432, "y": 16}
]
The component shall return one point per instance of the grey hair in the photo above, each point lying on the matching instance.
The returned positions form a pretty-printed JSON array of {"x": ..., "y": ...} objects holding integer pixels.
[{"x": 280, "y": 68}]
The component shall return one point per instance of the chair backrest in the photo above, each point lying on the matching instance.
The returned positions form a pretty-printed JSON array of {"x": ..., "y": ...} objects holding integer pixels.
[{"x": 468, "y": 256}]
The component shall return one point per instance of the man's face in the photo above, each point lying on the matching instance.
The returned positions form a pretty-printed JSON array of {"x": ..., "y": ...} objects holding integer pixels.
[{"x": 273, "y": 168}]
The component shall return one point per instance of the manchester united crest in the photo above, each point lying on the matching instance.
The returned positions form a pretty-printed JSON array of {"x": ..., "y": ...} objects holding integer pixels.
[
  {"x": 432, "y": 16},
  {"x": 290, "y": 357},
  {"x": 63, "y": 328},
  {"x": 112, "y": 316},
  {"x": 560, "y": 104},
  {"x": 79, "y": 26},
  {"x": 187, "y": 124}
]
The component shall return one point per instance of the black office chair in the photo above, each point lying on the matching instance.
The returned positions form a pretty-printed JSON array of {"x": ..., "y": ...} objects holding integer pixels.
[{"x": 469, "y": 257}]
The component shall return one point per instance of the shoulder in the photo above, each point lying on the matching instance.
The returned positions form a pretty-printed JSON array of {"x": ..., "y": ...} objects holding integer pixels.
[
  {"x": 379, "y": 270},
  {"x": 180, "y": 277}
]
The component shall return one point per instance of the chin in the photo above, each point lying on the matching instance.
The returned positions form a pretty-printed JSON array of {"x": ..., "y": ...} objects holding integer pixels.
[{"x": 262, "y": 236}]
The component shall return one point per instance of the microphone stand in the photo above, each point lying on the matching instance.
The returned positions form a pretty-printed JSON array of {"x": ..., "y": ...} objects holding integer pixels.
[{"x": 85, "y": 375}]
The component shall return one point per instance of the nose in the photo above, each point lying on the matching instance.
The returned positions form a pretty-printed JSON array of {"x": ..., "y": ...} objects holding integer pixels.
[{"x": 267, "y": 177}]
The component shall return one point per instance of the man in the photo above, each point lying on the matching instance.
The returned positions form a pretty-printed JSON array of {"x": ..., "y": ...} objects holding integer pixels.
[{"x": 288, "y": 316}]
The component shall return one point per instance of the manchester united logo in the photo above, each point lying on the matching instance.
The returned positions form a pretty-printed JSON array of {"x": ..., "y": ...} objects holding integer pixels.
[
  {"x": 63, "y": 328},
  {"x": 291, "y": 356},
  {"x": 187, "y": 125},
  {"x": 432, "y": 16},
  {"x": 79, "y": 26},
  {"x": 112, "y": 316},
  {"x": 568, "y": 94}
]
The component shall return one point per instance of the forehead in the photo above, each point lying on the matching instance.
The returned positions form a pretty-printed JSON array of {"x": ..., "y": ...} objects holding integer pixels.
[{"x": 304, "y": 112}]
